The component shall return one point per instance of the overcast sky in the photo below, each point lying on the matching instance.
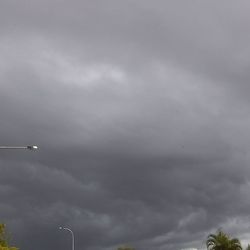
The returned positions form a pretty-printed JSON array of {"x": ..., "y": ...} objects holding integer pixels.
[{"x": 140, "y": 109}]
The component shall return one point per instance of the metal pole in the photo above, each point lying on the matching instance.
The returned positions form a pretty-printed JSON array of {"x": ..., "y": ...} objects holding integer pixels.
[{"x": 72, "y": 234}]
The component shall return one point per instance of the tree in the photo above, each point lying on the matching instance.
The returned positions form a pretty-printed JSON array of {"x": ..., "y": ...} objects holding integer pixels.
[
  {"x": 125, "y": 247},
  {"x": 222, "y": 241},
  {"x": 3, "y": 236},
  {"x": 4, "y": 239}
]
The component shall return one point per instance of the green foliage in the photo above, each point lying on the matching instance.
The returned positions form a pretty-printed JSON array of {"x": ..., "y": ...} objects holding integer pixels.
[
  {"x": 248, "y": 247},
  {"x": 4, "y": 239},
  {"x": 8, "y": 248},
  {"x": 222, "y": 241},
  {"x": 3, "y": 236},
  {"x": 125, "y": 247}
]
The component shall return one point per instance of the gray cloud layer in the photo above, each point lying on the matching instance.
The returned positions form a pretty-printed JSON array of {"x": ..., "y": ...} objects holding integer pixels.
[{"x": 140, "y": 110}]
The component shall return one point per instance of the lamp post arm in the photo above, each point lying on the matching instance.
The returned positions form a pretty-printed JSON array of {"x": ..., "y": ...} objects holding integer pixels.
[
  {"x": 72, "y": 234},
  {"x": 30, "y": 147}
]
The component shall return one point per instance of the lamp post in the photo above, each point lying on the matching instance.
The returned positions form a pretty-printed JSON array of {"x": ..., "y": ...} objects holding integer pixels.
[
  {"x": 29, "y": 147},
  {"x": 72, "y": 234}
]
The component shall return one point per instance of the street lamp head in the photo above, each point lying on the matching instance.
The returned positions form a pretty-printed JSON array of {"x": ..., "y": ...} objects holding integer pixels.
[{"x": 32, "y": 147}]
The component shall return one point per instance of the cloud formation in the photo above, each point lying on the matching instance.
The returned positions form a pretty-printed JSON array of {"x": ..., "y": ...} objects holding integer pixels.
[{"x": 140, "y": 111}]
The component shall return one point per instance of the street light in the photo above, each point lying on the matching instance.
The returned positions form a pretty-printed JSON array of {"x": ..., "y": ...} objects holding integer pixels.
[
  {"x": 72, "y": 234},
  {"x": 29, "y": 147}
]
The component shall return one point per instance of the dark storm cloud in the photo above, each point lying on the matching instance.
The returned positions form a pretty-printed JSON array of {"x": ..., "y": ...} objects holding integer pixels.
[{"x": 140, "y": 110}]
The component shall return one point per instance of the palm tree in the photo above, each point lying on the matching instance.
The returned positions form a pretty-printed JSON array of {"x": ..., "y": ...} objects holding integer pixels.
[{"x": 222, "y": 241}]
